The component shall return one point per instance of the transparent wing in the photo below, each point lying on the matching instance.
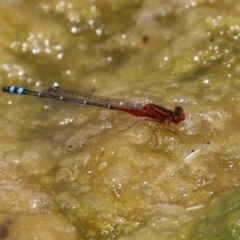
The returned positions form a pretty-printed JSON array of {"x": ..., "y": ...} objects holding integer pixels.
[{"x": 82, "y": 102}]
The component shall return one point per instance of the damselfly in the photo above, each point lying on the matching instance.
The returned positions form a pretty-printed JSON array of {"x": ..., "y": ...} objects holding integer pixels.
[{"x": 150, "y": 111}]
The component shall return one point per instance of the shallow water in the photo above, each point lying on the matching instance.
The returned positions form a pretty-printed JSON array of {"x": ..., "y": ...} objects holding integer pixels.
[{"x": 75, "y": 176}]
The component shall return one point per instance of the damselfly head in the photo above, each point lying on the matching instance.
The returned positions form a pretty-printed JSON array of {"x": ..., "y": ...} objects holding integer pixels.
[{"x": 178, "y": 115}]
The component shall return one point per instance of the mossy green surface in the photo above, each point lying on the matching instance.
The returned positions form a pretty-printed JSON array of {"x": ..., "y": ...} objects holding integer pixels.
[
  {"x": 222, "y": 220},
  {"x": 79, "y": 176}
]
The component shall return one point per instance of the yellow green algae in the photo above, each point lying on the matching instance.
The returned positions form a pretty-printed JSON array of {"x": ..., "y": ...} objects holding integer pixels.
[
  {"x": 222, "y": 220},
  {"x": 77, "y": 176}
]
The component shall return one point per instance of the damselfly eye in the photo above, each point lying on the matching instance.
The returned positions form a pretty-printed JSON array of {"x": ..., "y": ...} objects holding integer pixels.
[{"x": 178, "y": 115}]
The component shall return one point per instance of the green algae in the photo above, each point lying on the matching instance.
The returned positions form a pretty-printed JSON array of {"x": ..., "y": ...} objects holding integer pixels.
[
  {"x": 222, "y": 220},
  {"x": 91, "y": 178}
]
